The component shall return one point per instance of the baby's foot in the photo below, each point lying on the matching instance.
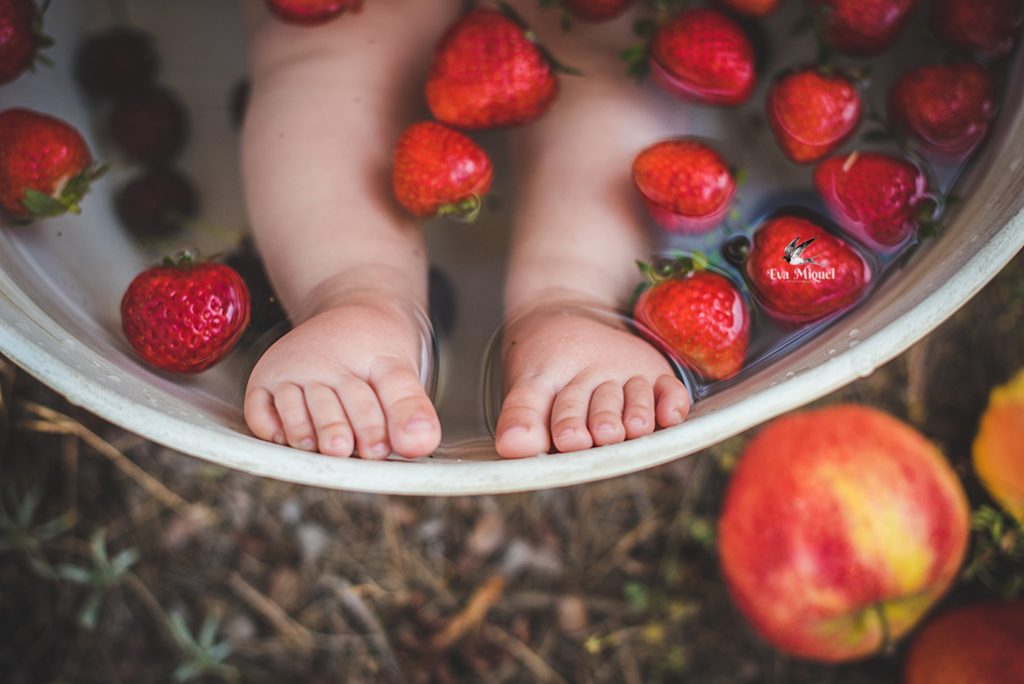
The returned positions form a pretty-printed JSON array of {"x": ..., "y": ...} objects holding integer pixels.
[
  {"x": 346, "y": 381},
  {"x": 576, "y": 382}
]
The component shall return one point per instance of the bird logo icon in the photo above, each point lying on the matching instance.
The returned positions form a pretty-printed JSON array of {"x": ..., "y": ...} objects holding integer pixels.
[{"x": 794, "y": 252}]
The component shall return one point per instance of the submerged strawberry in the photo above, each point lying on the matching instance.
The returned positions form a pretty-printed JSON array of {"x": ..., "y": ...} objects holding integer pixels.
[
  {"x": 149, "y": 126},
  {"x": 45, "y": 165},
  {"x": 947, "y": 107},
  {"x": 874, "y": 197},
  {"x": 686, "y": 185},
  {"x": 185, "y": 317},
  {"x": 156, "y": 203},
  {"x": 863, "y": 27},
  {"x": 811, "y": 113},
  {"x": 698, "y": 316},
  {"x": 117, "y": 61},
  {"x": 596, "y": 10},
  {"x": 705, "y": 56},
  {"x": 21, "y": 37},
  {"x": 751, "y": 8},
  {"x": 487, "y": 72},
  {"x": 311, "y": 12},
  {"x": 987, "y": 28},
  {"x": 439, "y": 171},
  {"x": 801, "y": 272}
]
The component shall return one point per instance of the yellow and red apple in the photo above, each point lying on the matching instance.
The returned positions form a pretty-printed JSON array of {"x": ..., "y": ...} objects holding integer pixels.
[
  {"x": 841, "y": 527},
  {"x": 999, "y": 446},
  {"x": 980, "y": 644}
]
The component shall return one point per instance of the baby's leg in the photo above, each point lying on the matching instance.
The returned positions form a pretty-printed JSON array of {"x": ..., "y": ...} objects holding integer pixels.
[
  {"x": 574, "y": 381},
  {"x": 350, "y": 267}
]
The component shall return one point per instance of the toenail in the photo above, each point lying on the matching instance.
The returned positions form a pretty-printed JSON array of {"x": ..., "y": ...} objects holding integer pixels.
[
  {"x": 418, "y": 424},
  {"x": 380, "y": 449},
  {"x": 516, "y": 429},
  {"x": 567, "y": 433},
  {"x": 307, "y": 444},
  {"x": 637, "y": 422},
  {"x": 605, "y": 428},
  {"x": 680, "y": 415},
  {"x": 339, "y": 443},
  {"x": 278, "y": 438}
]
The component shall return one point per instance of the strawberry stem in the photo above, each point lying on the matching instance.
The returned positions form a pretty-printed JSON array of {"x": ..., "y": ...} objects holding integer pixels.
[
  {"x": 528, "y": 33},
  {"x": 466, "y": 210}
]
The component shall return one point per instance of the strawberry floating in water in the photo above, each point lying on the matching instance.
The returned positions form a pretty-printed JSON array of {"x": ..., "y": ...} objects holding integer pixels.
[
  {"x": 117, "y": 61},
  {"x": 704, "y": 56},
  {"x": 801, "y": 272},
  {"x": 811, "y": 112},
  {"x": 311, "y": 12},
  {"x": 184, "y": 317},
  {"x": 946, "y": 107},
  {"x": 438, "y": 171},
  {"x": 156, "y": 203},
  {"x": 875, "y": 197},
  {"x": 685, "y": 184},
  {"x": 21, "y": 38},
  {"x": 149, "y": 126},
  {"x": 863, "y": 27},
  {"x": 697, "y": 315},
  {"x": 45, "y": 166},
  {"x": 487, "y": 72},
  {"x": 750, "y": 8},
  {"x": 987, "y": 28},
  {"x": 596, "y": 10}
]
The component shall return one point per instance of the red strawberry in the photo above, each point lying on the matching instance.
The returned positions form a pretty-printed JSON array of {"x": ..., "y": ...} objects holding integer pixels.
[
  {"x": 186, "y": 317},
  {"x": 873, "y": 196},
  {"x": 116, "y": 61},
  {"x": 947, "y": 107},
  {"x": 812, "y": 113},
  {"x": 311, "y": 12},
  {"x": 698, "y": 316},
  {"x": 987, "y": 28},
  {"x": 439, "y": 171},
  {"x": 158, "y": 202},
  {"x": 21, "y": 37},
  {"x": 596, "y": 10},
  {"x": 686, "y": 185},
  {"x": 705, "y": 56},
  {"x": 45, "y": 165},
  {"x": 751, "y": 8},
  {"x": 149, "y": 126},
  {"x": 487, "y": 72},
  {"x": 863, "y": 27},
  {"x": 829, "y": 276}
]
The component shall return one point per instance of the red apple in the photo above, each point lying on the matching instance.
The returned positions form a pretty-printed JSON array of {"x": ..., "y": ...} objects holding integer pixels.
[
  {"x": 841, "y": 527},
  {"x": 979, "y": 644},
  {"x": 999, "y": 446}
]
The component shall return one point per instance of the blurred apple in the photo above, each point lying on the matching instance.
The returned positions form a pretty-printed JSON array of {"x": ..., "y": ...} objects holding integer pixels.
[
  {"x": 841, "y": 527},
  {"x": 979, "y": 644},
  {"x": 999, "y": 446}
]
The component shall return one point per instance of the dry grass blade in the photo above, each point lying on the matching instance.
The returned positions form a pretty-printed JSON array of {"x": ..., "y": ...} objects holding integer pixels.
[
  {"x": 271, "y": 612},
  {"x": 484, "y": 596},
  {"x": 377, "y": 635},
  {"x": 537, "y": 666}
]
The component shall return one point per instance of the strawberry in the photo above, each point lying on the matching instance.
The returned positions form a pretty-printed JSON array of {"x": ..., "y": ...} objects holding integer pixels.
[
  {"x": 596, "y": 10},
  {"x": 832, "y": 274},
  {"x": 947, "y": 107},
  {"x": 987, "y": 28},
  {"x": 686, "y": 185},
  {"x": 487, "y": 72},
  {"x": 21, "y": 38},
  {"x": 697, "y": 316},
  {"x": 812, "y": 112},
  {"x": 311, "y": 12},
  {"x": 705, "y": 56},
  {"x": 149, "y": 126},
  {"x": 751, "y": 8},
  {"x": 438, "y": 171},
  {"x": 184, "y": 317},
  {"x": 863, "y": 27},
  {"x": 158, "y": 202},
  {"x": 874, "y": 197},
  {"x": 116, "y": 62},
  {"x": 45, "y": 165}
]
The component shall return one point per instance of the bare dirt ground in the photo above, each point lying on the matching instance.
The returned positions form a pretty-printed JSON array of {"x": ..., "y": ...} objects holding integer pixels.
[{"x": 121, "y": 561}]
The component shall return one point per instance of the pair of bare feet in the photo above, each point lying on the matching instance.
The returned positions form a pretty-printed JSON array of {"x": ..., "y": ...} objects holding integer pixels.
[{"x": 347, "y": 381}]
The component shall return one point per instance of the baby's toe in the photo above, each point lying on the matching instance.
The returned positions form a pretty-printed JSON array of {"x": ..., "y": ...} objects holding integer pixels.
[
  {"x": 605, "y": 417},
  {"x": 412, "y": 422},
  {"x": 671, "y": 401},
  {"x": 290, "y": 402},
  {"x": 569, "y": 417},
  {"x": 638, "y": 414},
  {"x": 333, "y": 432},
  {"x": 261, "y": 415},
  {"x": 523, "y": 424},
  {"x": 366, "y": 417}
]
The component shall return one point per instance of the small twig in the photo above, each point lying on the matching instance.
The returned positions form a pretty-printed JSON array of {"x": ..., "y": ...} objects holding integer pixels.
[
  {"x": 612, "y": 559},
  {"x": 376, "y": 635},
  {"x": 539, "y": 667},
  {"x": 917, "y": 382},
  {"x": 483, "y": 598},
  {"x": 271, "y": 612},
  {"x": 152, "y": 606}
]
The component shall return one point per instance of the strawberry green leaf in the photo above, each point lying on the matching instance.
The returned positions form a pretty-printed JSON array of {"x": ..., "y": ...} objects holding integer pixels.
[{"x": 41, "y": 205}]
